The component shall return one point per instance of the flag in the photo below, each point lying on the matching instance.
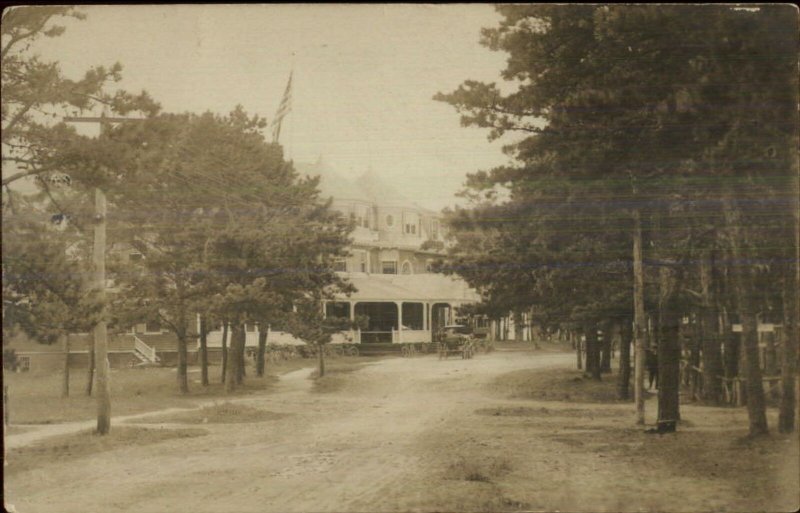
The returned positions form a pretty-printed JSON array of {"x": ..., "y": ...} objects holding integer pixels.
[{"x": 283, "y": 109}]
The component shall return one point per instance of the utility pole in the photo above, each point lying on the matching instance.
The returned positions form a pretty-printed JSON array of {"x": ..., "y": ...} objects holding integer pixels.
[{"x": 100, "y": 331}]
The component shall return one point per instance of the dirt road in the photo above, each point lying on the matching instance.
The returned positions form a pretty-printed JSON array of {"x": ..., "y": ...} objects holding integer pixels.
[{"x": 400, "y": 435}]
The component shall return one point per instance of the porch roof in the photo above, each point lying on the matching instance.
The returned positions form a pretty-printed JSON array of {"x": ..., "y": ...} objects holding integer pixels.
[{"x": 414, "y": 287}]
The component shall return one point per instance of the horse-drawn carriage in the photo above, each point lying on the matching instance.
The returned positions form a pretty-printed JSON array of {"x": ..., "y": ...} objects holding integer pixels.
[{"x": 455, "y": 339}]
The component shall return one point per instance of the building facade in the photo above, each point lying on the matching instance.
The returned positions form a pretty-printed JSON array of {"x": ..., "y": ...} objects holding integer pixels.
[{"x": 395, "y": 243}]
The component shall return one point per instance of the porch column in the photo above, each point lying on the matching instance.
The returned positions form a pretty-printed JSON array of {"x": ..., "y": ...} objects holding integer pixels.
[
  {"x": 425, "y": 316},
  {"x": 399, "y": 321}
]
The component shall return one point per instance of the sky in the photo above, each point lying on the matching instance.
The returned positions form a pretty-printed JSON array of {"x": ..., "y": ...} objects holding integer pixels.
[{"x": 364, "y": 78}]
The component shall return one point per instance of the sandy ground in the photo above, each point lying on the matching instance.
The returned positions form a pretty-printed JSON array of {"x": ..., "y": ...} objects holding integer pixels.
[{"x": 400, "y": 435}]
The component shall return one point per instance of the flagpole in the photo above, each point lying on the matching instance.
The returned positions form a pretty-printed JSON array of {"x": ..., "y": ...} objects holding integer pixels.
[
  {"x": 283, "y": 110},
  {"x": 290, "y": 148}
]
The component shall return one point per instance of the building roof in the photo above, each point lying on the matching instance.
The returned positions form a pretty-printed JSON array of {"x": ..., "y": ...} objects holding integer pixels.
[
  {"x": 410, "y": 287},
  {"x": 368, "y": 187}
]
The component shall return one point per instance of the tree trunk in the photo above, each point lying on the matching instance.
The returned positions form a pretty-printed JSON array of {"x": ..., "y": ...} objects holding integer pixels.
[
  {"x": 65, "y": 383},
  {"x": 203, "y": 351},
  {"x": 241, "y": 354},
  {"x": 534, "y": 339},
  {"x": 262, "y": 349},
  {"x": 731, "y": 345},
  {"x": 756, "y": 405},
  {"x": 626, "y": 334},
  {"x": 90, "y": 368},
  {"x": 790, "y": 361},
  {"x": 694, "y": 357},
  {"x": 321, "y": 358},
  {"x": 770, "y": 354},
  {"x": 224, "y": 350},
  {"x": 232, "y": 363},
  {"x": 709, "y": 329},
  {"x": 789, "y": 355},
  {"x": 669, "y": 354},
  {"x": 605, "y": 349},
  {"x": 183, "y": 376},
  {"x": 639, "y": 317},
  {"x": 592, "y": 352},
  {"x": 518, "y": 331}
]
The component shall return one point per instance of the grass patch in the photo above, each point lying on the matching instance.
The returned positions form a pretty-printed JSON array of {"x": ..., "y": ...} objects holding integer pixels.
[
  {"x": 538, "y": 346},
  {"x": 524, "y": 411},
  {"x": 85, "y": 443},
  {"x": 760, "y": 468},
  {"x": 223, "y": 413},
  {"x": 483, "y": 470},
  {"x": 557, "y": 385},
  {"x": 336, "y": 373},
  {"x": 334, "y": 379},
  {"x": 35, "y": 398}
]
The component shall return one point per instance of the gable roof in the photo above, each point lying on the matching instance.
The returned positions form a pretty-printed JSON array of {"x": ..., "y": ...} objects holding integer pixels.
[{"x": 368, "y": 187}]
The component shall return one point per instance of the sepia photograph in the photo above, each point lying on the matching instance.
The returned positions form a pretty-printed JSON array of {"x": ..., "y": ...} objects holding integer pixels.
[{"x": 407, "y": 258}]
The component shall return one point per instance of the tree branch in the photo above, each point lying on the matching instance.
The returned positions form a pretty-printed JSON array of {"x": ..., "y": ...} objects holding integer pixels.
[{"x": 24, "y": 174}]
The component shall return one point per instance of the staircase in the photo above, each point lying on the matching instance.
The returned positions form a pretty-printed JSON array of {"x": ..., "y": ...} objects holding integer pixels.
[{"x": 145, "y": 353}]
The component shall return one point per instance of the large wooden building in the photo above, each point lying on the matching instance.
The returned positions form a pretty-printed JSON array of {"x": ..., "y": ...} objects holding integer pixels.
[{"x": 395, "y": 243}]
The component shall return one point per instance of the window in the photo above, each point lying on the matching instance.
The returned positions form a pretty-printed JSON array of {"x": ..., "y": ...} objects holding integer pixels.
[
  {"x": 361, "y": 260},
  {"x": 389, "y": 220},
  {"x": 340, "y": 265},
  {"x": 389, "y": 267},
  {"x": 435, "y": 228},
  {"x": 413, "y": 316},
  {"x": 152, "y": 326}
]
